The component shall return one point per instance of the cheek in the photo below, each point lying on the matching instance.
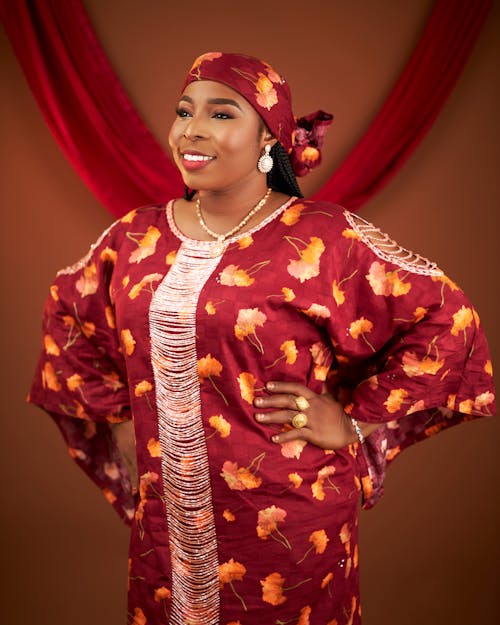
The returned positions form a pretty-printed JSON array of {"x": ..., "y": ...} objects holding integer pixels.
[{"x": 174, "y": 135}]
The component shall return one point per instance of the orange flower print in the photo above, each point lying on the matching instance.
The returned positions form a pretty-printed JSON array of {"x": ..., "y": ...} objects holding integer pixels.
[
  {"x": 317, "y": 311},
  {"x": 49, "y": 378},
  {"x": 265, "y": 95},
  {"x": 308, "y": 265},
  {"x": 110, "y": 317},
  {"x": 337, "y": 292},
  {"x": 232, "y": 275},
  {"x": 220, "y": 425},
  {"x": 88, "y": 329},
  {"x": 310, "y": 154},
  {"x": 139, "y": 618},
  {"x": 230, "y": 572},
  {"x": 141, "y": 388},
  {"x": 50, "y": 345},
  {"x": 419, "y": 313},
  {"x": 322, "y": 359},
  {"x": 208, "y": 368},
  {"x": 110, "y": 496},
  {"x": 147, "y": 281},
  {"x": 345, "y": 537},
  {"x": 288, "y": 293},
  {"x": 395, "y": 399},
  {"x": 359, "y": 328},
  {"x": 154, "y": 448},
  {"x": 413, "y": 366},
  {"x": 129, "y": 217},
  {"x": 483, "y": 400},
  {"x": 208, "y": 56},
  {"x": 305, "y": 613},
  {"x": 416, "y": 407},
  {"x": 295, "y": 479},
  {"x": 290, "y": 352},
  {"x": 87, "y": 284},
  {"x": 267, "y": 525},
  {"x": 242, "y": 478},
  {"x": 466, "y": 406},
  {"x": 228, "y": 515},
  {"x": 349, "y": 233},
  {"x": 272, "y": 589},
  {"x": 112, "y": 381},
  {"x": 125, "y": 281},
  {"x": 292, "y": 449},
  {"x": 146, "y": 482},
  {"x": 109, "y": 255},
  {"x": 325, "y": 582},
  {"x": 247, "y": 383},
  {"x": 389, "y": 283},
  {"x": 128, "y": 341},
  {"x": 210, "y": 308},
  {"x": 74, "y": 382},
  {"x": 245, "y": 241},
  {"x": 462, "y": 320},
  {"x": 318, "y": 487},
  {"x": 162, "y": 593},
  {"x": 54, "y": 292},
  {"x": 146, "y": 246},
  {"x": 247, "y": 322},
  {"x": 292, "y": 214},
  {"x": 319, "y": 540},
  {"x": 170, "y": 257}
]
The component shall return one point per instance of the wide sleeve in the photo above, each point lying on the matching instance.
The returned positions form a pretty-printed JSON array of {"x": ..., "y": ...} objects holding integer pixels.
[
  {"x": 80, "y": 379},
  {"x": 410, "y": 350}
]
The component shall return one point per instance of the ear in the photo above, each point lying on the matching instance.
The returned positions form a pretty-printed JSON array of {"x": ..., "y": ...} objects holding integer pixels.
[{"x": 267, "y": 138}]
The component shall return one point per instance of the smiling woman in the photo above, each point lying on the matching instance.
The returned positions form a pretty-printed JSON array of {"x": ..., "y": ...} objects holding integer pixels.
[{"x": 275, "y": 355}]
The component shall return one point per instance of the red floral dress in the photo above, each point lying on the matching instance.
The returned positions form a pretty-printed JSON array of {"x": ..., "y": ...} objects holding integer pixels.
[{"x": 228, "y": 527}]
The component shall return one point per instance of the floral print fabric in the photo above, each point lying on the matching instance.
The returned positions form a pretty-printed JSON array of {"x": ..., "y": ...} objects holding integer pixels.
[{"x": 299, "y": 298}]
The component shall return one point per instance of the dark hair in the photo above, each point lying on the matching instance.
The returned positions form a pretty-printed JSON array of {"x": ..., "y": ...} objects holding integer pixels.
[{"x": 281, "y": 177}]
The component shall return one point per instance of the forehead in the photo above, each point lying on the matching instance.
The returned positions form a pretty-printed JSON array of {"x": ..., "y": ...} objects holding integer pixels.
[{"x": 201, "y": 91}]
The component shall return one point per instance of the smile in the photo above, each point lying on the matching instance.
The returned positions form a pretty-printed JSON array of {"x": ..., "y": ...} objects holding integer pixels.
[{"x": 197, "y": 157}]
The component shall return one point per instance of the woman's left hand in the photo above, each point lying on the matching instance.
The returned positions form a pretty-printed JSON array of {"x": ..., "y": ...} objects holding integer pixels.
[{"x": 327, "y": 424}]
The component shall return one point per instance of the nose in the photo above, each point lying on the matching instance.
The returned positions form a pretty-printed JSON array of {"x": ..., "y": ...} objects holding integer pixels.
[{"x": 194, "y": 129}]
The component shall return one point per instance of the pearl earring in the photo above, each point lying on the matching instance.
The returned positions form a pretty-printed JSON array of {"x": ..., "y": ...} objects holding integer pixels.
[{"x": 265, "y": 162}]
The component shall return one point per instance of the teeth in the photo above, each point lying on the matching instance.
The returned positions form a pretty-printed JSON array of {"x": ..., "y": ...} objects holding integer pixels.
[{"x": 197, "y": 157}]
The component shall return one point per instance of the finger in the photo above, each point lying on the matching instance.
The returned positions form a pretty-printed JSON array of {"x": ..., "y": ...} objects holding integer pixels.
[
  {"x": 291, "y": 435},
  {"x": 277, "y": 401},
  {"x": 276, "y": 416},
  {"x": 293, "y": 388}
]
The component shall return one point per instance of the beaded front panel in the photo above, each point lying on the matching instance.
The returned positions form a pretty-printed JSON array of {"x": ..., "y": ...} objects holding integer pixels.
[{"x": 185, "y": 469}]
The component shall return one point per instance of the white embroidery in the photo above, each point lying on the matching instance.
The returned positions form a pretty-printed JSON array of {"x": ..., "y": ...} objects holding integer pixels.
[
  {"x": 185, "y": 464},
  {"x": 387, "y": 249}
]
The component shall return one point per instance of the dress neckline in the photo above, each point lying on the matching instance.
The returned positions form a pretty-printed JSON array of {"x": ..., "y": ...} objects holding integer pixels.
[{"x": 208, "y": 244}]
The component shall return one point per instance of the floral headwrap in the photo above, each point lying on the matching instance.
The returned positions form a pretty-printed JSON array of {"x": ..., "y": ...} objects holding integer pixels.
[{"x": 270, "y": 96}]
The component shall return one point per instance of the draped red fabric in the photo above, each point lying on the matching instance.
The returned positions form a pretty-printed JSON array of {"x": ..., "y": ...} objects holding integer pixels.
[
  {"x": 413, "y": 104},
  {"x": 109, "y": 145},
  {"x": 85, "y": 106}
]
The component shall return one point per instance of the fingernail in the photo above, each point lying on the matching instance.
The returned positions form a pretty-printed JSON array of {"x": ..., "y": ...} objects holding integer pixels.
[
  {"x": 259, "y": 401},
  {"x": 260, "y": 417},
  {"x": 275, "y": 439},
  {"x": 270, "y": 385}
]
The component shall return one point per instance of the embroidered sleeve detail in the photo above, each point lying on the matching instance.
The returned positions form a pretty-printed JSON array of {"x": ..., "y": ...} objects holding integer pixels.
[
  {"x": 387, "y": 249},
  {"x": 80, "y": 264}
]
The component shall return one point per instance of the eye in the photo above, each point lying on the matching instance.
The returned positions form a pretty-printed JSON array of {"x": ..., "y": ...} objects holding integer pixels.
[
  {"x": 221, "y": 115},
  {"x": 182, "y": 112}
]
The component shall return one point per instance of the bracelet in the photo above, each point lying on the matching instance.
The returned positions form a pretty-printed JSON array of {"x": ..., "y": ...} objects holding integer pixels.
[{"x": 357, "y": 429}]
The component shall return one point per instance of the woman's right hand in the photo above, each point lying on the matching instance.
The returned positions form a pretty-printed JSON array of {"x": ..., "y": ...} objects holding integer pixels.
[{"x": 124, "y": 437}]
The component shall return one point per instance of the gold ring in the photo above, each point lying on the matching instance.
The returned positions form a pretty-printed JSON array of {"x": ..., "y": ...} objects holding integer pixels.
[
  {"x": 299, "y": 420},
  {"x": 302, "y": 403}
]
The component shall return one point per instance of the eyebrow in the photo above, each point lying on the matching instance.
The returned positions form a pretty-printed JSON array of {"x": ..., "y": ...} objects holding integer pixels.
[{"x": 186, "y": 98}]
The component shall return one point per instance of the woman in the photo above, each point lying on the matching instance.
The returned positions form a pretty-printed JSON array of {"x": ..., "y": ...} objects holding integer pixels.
[{"x": 275, "y": 355}]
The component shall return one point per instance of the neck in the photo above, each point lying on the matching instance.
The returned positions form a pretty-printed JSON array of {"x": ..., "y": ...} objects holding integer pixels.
[{"x": 234, "y": 201}]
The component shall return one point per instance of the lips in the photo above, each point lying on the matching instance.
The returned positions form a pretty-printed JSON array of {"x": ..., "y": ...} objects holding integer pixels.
[{"x": 195, "y": 160}]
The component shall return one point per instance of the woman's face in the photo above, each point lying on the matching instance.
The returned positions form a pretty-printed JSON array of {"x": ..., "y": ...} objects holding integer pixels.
[{"x": 216, "y": 138}]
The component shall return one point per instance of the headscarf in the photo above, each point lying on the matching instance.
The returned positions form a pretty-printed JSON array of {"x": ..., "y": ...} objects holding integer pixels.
[{"x": 269, "y": 94}]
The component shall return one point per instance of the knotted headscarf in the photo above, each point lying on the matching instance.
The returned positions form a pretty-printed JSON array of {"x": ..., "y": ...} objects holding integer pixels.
[{"x": 270, "y": 96}]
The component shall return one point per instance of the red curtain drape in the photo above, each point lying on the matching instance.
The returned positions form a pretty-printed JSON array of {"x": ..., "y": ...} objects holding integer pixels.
[{"x": 106, "y": 141}]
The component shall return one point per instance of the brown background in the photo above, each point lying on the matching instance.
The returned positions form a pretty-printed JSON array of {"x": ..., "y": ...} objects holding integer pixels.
[{"x": 430, "y": 549}]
